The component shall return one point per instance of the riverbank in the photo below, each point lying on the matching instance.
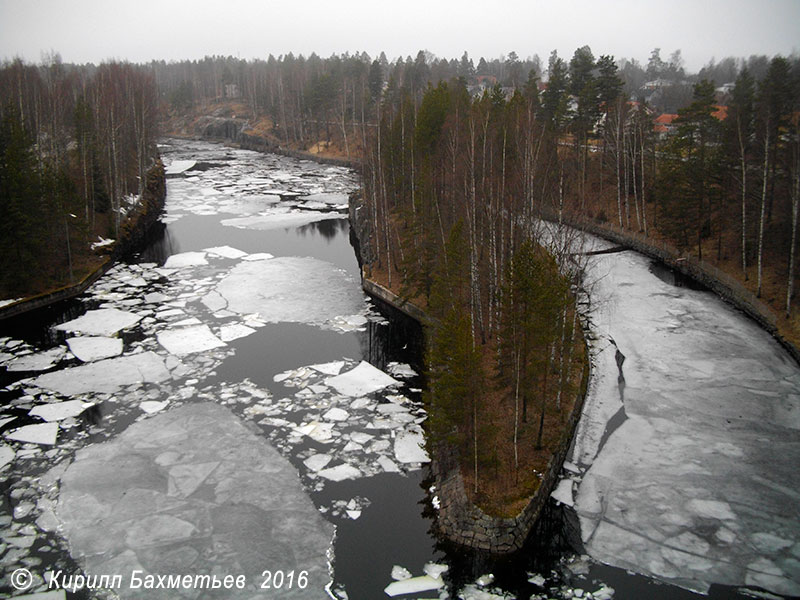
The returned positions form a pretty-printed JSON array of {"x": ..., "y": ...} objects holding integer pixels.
[{"x": 133, "y": 231}]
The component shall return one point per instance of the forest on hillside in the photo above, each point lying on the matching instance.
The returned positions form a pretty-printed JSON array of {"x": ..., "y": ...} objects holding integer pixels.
[
  {"x": 647, "y": 139},
  {"x": 76, "y": 143}
]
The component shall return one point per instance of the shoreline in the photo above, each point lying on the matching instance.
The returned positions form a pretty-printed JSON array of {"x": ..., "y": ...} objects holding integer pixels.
[{"x": 133, "y": 230}]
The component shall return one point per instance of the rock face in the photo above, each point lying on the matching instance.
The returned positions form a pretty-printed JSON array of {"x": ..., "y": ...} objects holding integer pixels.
[{"x": 193, "y": 491}]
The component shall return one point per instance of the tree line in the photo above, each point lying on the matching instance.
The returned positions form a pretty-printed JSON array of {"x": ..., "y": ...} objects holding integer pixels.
[
  {"x": 456, "y": 184},
  {"x": 76, "y": 143}
]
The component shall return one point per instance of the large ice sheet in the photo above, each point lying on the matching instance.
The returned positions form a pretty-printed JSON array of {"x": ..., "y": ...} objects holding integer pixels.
[
  {"x": 688, "y": 437},
  {"x": 292, "y": 289},
  {"x": 363, "y": 379},
  {"x": 105, "y": 375},
  {"x": 409, "y": 447},
  {"x": 188, "y": 478},
  {"x": 100, "y": 322}
]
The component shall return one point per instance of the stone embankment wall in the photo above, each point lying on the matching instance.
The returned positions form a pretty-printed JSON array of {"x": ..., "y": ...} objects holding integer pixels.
[
  {"x": 459, "y": 520},
  {"x": 132, "y": 234},
  {"x": 464, "y": 523}
]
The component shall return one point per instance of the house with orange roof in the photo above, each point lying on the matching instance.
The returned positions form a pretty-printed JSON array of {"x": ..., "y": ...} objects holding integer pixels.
[{"x": 663, "y": 124}]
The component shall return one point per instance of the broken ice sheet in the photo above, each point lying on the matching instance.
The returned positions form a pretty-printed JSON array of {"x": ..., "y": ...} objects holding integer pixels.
[
  {"x": 58, "y": 411},
  {"x": 87, "y": 349},
  {"x": 41, "y": 433},
  {"x": 188, "y": 340},
  {"x": 103, "y": 322},
  {"x": 105, "y": 375},
  {"x": 6, "y": 455},
  {"x": 226, "y": 252},
  {"x": 39, "y": 361},
  {"x": 414, "y": 585},
  {"x": 186, "y": 476},
  {"x": 186, "y": 259},
  {"x": 363, "y": 379},
  {"x": 234, "y": 331},
  {"x": 340, "y": 472},
  {"x": 409, "y": 447},
  {"x": 279, "y": 220},
  {"x": 563, "y": 492}
]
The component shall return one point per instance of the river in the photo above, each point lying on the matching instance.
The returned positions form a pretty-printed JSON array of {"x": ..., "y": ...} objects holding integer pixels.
[{"x": 230, "y": 403}]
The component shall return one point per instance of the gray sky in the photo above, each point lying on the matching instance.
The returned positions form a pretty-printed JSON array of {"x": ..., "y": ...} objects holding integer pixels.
[{"x": 140, "y": 30}]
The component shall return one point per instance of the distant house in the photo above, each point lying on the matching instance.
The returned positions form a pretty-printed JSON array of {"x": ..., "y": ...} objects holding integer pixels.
[
  {"x": 663, "y": 124},
  {"x": 656, "y": 83},
  {"x": 486, "y": 81}
]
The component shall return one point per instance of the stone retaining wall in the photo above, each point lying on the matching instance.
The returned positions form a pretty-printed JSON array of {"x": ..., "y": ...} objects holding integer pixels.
[{"x": 464, "y": 523}]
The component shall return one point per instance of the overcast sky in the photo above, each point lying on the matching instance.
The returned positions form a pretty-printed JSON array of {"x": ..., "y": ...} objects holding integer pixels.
[{"x": 141, "y": 30}]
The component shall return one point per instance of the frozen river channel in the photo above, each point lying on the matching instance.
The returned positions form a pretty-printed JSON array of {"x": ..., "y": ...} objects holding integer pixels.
[{"x": 230, "y": 404}]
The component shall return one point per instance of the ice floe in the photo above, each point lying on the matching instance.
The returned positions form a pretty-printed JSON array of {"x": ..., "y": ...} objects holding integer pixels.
[
  {"x": 226, "y": 252},
  {"x": 6, "y": 455},
  {"x": 40, "y": 433},
  {"x": 39, "y": 361},
  {"x": 58, "y": 411},
  {"x": 340, "y": 472},
  {"x": 414, "y": 585},
  {"x": 177, "y": 167},
  {"x": 684, "y": 394},
  {"x": 186, "y": 259},
  {"x": 280, "y": 220},
  {"x": 363, "y": 379},
  {"x": 87, "y": 349},
  {"x": 188, "y": 340},
  {"x": 103, "y": 322},
  {"x": 105, "y": 375},
  {"x": 409, "y": 447},
  {"x": 234, "y": 331}
]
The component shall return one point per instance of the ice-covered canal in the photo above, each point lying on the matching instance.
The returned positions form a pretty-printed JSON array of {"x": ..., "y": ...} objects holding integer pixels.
[
  {"x": 231, "y": 404},
  {"x": 686, "y": 458}
]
